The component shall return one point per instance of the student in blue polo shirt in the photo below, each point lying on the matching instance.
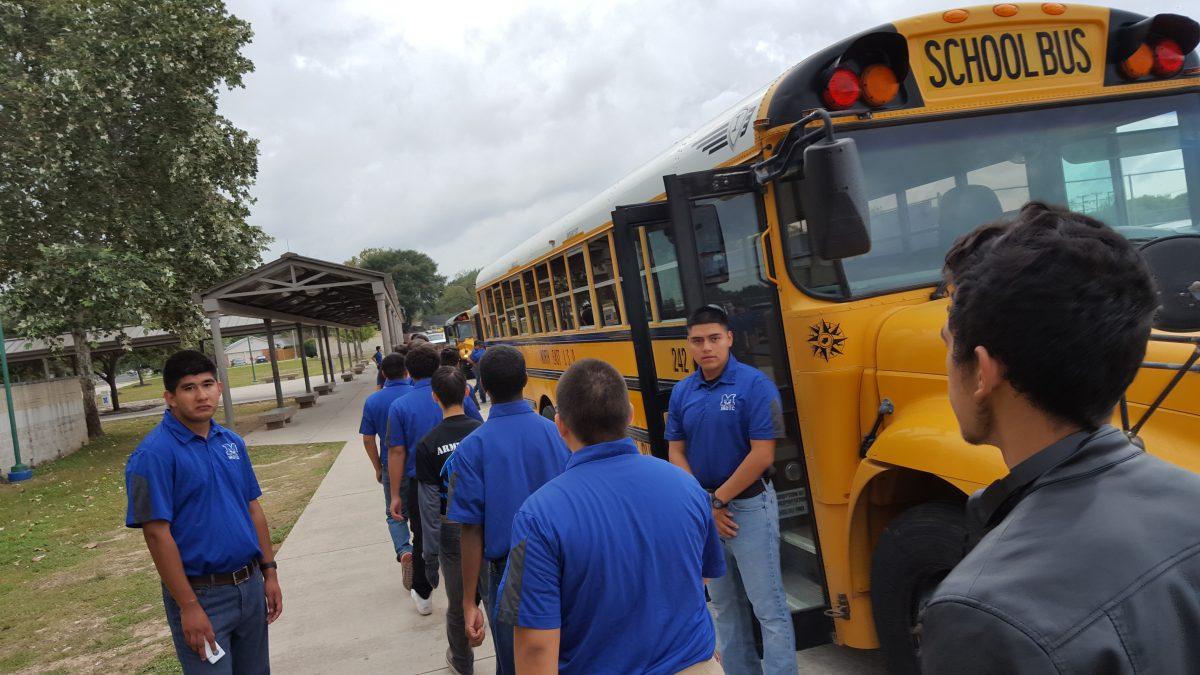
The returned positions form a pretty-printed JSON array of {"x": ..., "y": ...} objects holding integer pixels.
[
  {"x": 192, "y": 491},
  {"x": 514, "y": 453},
  {"x": 722, "y": 423},
  {"x": 608, "y": 561},
  {"x": 374, "y": 426},
  {"x": 477, "y": 354},
  {"x": 409, "y": 419}
]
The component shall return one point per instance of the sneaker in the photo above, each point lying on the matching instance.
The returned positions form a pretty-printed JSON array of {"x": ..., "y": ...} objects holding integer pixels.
[
  {"x": 406, "y": 569},
  {"x": 424, "y": 605}
]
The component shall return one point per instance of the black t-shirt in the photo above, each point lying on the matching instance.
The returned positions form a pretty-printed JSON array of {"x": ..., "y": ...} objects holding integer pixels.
[{"x": 436, "y": 447}]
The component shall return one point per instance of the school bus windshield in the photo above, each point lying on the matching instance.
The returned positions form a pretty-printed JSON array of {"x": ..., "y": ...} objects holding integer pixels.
[{"x": 1133, "y": 164}]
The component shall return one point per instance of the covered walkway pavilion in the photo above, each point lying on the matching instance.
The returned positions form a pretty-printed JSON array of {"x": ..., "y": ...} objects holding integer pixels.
[{"x": 299, "y": 292}]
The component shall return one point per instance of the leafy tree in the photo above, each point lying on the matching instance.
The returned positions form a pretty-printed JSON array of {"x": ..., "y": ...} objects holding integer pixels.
[
  {"x": 459, "y": 293},
  {"x": 415, "y": 275},
  {"x": 122, "y": 191}
]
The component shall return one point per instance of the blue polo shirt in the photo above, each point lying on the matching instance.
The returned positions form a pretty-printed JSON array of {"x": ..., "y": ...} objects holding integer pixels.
[
  {"x": 613, "y": 553},
  {"x": 514, "y": 453},
  {"x": 719, "y": 419},
  {"x": 378, "y": 358},
  {"x": 375, "y": 412},
  {"x": 413, "y": 415},
  {"x": 202, "y": 487},
  {"x": 476, "y": 354}
]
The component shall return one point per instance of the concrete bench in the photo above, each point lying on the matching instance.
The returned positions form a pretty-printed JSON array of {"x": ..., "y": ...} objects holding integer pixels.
[
  {"x": 291, "y": 377},
  {"x": 278, "y": 417},
  {"x": 324, "y": 389},
  {"x": 358, "y": 370},
  {"x": 346, "y": 377},
  {"x": 306, "y": 400}
]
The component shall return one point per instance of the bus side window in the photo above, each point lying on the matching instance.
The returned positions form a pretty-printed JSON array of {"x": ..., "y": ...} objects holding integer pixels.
[
  {"x": 531, "y": 304},
  {"x": 605, "y": 281},
  {"x": 562, "y": 294},
  {"x": 547, "y": 295},
  {"x": 710, "y": 244},
  {"x": 519, "y": 321},
  {"x": 579, "y": 287}
]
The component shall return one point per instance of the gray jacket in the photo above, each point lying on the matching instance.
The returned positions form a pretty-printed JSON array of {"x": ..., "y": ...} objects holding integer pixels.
[{"x": 1089, "y": 563}]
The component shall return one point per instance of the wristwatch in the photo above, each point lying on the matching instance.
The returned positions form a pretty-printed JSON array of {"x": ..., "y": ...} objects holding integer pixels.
[
  {"x": 269, "y": 565},
  {"x": 718, "y": 504}
]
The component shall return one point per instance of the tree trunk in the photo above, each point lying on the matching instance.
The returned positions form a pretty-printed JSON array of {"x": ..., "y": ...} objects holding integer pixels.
[
  {"x": 83, "y": 360},
  {"x": 141, "y": 380},
  {"x": 110, "y": 363}
]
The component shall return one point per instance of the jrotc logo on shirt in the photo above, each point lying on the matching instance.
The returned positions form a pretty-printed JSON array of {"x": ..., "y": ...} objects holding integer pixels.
[
  {"x": 729, "y": 402},
  {"x": 231, "y": 450}
]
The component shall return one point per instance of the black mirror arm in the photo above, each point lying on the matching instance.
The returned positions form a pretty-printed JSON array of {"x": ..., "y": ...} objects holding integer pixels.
[{"x": 796, "y": 140}]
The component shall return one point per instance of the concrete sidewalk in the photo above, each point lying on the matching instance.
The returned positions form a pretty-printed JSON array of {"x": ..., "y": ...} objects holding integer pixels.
[{"x": 345, "y": 610}]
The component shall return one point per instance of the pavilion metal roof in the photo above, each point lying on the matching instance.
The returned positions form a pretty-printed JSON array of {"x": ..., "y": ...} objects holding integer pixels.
[{"x": 305, "y": 290}]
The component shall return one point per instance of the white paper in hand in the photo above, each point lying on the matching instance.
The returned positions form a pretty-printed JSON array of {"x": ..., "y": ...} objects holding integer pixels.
[{"x": 210, "y": 655}]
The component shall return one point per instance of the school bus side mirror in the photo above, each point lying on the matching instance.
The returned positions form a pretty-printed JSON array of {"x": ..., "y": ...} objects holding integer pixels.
[{"x": 835, "y": 202}]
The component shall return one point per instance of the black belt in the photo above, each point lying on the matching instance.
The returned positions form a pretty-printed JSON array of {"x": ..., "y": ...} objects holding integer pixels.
[
  {"x": 233, "y": 578},
  {"x": 755, "y": 489},
  {"x": 497, "y": 566}
]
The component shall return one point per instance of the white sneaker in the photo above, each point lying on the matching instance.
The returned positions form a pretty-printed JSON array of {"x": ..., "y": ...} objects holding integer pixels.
[{"x": 424, "y": 605}]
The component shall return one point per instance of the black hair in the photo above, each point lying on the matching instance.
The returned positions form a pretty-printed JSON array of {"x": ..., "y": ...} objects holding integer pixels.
[
  {"x": 422, "y": 361},
  {"x": 400, "y": 349},
  {"x": 393, "y": 366},
  {"x": 502, "y": 373},
  {"x": 449, "y": 356},
  {"x": 1061, "y": 300},
  {"x": 593, "y": 401},
  {"x": 378, "y": 348},
  {"x": 183, "y": 363},
  {"x": 708, "y": 314},
  {"x": 449, "y": 385}
]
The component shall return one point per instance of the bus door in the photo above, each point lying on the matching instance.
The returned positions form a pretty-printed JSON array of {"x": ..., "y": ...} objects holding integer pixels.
[
  {"x": 641, "y": 242},
  {"x": 720, "y": 234}
]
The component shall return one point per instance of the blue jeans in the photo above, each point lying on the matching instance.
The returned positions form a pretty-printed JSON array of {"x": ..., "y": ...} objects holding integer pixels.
[
  {"x": 753, "y": 582},
  {"x": 238, "y": 614},
  {"x": 397, "y": 528},
  {"x": 502, "y": 633}
]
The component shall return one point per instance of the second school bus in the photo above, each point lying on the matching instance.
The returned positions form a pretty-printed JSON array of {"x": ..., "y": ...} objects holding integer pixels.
[{"x": 959, "y": 118}]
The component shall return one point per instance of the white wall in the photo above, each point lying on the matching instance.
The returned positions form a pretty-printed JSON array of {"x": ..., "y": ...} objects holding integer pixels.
[{"x": 50, "y": 422}]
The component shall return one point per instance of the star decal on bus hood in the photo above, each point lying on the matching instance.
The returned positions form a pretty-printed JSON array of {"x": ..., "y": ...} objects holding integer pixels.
[{"x": 826, "y": 340}]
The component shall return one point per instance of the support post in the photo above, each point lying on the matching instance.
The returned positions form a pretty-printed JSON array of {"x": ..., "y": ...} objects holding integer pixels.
[
  {"x": 338, "y": 338},
  {"x": 385, "y": 328},
  {"x": 328, "y": 353},
  {"x": 274, "y": 363},
  {"x": 19, "y": 469},
  {"x": 321, "y": 354},
  {"x": 214, "y": 321},
  {"x": 303, "y": 358}
]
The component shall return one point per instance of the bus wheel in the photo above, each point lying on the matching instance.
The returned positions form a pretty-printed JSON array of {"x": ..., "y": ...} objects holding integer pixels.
[
  {"x": 548, "y": 412},
  {"x": 915, "y": 552}
]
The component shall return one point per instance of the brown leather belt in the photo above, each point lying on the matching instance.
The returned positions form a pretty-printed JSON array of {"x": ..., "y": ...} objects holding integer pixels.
[{"x": 233, "y": 578}]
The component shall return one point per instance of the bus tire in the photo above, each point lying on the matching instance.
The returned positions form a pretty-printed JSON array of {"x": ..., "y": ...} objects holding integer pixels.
[
  {"x": 548, "y": 412},
  {"x": 914, "y": 553}
]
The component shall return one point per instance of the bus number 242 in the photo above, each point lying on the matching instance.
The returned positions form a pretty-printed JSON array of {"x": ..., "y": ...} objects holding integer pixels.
[
  {"x": 557, "y": 357},
  {"x": 681, "y": 360}
]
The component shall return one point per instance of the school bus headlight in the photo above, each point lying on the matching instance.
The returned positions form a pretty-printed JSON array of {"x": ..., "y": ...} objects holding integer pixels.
[
  {"x": 841, "y": 89},
  {"x": 1168, "y": 58},
  {"x": 879, "y": 85}
]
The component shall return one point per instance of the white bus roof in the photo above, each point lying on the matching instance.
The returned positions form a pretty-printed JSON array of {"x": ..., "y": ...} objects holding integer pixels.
[{"x": 725, "y": 137}]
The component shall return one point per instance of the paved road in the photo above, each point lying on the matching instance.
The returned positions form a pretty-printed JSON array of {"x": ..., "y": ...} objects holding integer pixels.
[{"x": 345, "y": 608}]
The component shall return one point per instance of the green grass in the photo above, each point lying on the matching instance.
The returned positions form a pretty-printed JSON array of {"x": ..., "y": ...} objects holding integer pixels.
[
  {"x": 78, "y": 591},
  {"x": 239, "y": 376}
]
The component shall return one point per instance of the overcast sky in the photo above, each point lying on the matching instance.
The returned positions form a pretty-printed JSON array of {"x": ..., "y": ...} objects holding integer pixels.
[{"x": 460, "y": 128}]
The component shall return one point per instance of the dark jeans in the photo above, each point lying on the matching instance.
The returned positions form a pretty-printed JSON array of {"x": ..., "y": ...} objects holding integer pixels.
[
  {"x": 238, "y": 614},
  {"x": 502, "y": 633},
  {"x": 412, "y": 511},
  {"x": 450, "y": 557}
]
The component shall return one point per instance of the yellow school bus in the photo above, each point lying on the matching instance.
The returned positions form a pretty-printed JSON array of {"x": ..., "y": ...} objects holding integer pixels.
[
  {"x": 958, "y": 118},
  {"x": 462, "y": 329}
]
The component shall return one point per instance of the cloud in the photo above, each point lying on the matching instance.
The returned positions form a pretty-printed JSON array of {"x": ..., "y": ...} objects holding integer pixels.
[{"x": 460, "y": 129}]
